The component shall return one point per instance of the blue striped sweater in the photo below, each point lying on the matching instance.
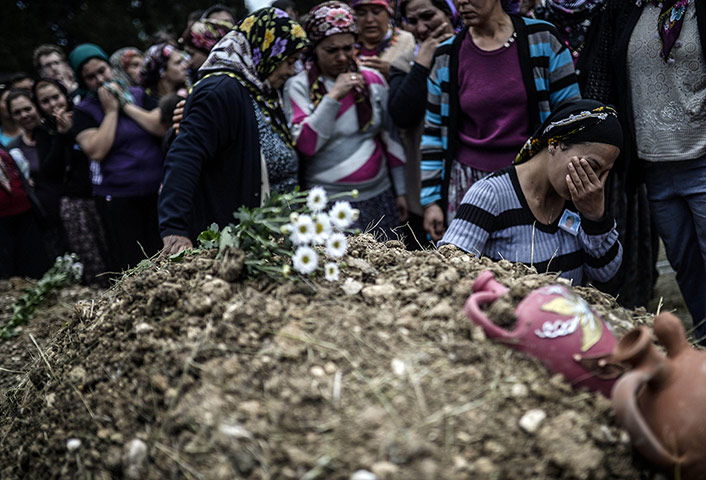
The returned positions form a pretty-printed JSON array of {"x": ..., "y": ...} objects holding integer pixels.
[
  {"x": 494, "y": 220},
  {"x": 549, "y": 78}
]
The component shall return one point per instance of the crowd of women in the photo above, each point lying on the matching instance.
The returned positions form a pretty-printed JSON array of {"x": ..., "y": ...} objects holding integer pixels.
[{"x": 564, "y": 134}]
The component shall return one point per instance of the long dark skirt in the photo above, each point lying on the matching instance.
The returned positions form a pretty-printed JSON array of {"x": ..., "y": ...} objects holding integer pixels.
[
  {"x": 634, "y": 284},
  {"x": 378, "y": 216},
  {"x": 85, "y": 236},
  {"x": 131, "y": 229}
]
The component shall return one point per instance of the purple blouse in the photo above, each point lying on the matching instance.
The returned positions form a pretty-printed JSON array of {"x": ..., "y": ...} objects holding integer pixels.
[{"x": 494, "y": 119}]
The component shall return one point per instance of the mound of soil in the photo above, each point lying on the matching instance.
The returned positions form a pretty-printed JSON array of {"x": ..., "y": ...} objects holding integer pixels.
[
  {"x": 188, "y": 370},
  {"x": 19, "y": 353}
]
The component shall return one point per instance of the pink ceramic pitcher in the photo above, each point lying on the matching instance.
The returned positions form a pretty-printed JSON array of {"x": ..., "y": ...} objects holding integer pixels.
[
  {"x": 661, "y": 401},
  {"x": 557, "y": 327}
]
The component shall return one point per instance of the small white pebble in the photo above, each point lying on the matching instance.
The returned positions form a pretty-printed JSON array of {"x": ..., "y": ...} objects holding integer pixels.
[
  {"x": 73, "y": 444},
  {"x": 142, "y": 327},
  {"x": 317, "y": 371},
  {"x": 351, "y": 287},
  {"x": 531, "y": 420},
  {"x": 519, "y": 390},
  {"x": 363, "y": 475},
  {"x": 398, "y": 366},
  {"x": 607, "y": 434},
  {"x": 235, "y": 431}
]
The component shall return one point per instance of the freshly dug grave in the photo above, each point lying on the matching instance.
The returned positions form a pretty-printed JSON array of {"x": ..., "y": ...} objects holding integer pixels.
[{"x": 187, "y": 370}]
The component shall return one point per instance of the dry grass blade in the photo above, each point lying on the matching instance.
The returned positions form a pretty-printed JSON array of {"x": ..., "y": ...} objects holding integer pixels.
[
  {"x": 51, "y": 371},
  {"x": 356, "y": 372},
  {"x": 187, "y": 469}
]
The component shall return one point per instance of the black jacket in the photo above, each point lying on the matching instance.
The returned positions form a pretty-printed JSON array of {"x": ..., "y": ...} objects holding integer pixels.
[{"x": 213, "y": 166}]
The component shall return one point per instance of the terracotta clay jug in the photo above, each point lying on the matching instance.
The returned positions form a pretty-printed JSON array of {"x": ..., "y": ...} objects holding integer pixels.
[
  {"x": 661, "y": 401},
  {"x": 555, "y": 326}
]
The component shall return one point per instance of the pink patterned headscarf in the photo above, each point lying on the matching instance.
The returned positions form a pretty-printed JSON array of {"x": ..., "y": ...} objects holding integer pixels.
[{"x": 328, "y": 19}]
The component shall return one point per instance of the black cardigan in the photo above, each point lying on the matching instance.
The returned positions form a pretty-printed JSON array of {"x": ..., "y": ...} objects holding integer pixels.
[
  {"x": 408, "y": 96},
  {"x": 213, "y": 166}
]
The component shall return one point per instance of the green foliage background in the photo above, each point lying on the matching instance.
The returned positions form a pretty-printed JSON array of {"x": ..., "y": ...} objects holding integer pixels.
[{"x": 112, "y": 24}]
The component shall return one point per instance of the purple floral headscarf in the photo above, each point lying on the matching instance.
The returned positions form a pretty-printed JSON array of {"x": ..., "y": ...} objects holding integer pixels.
[
  {"x": 252, "y": 51},
  {"x": 257, "y": 46}
]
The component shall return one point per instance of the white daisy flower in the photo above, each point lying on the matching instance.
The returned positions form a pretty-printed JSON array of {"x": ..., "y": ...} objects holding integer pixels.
[
  {"x": 77, "y": 270},
  {"x": 305, "y": 260},
  {"x": 317, "y": 199},
  {"x": 341, "y": 215},
  {"x": 336, "y": 245},
  {"x": 322, "y": 228},
  {"x": 303, "y": 231},
  {"x": 331, "y": 272}
]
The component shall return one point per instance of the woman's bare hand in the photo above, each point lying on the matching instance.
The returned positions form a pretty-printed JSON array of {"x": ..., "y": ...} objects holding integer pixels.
[
  {"x": 401, "y": 204},
  {"x": 377, "y": 63},
  {"x": 586, "y": 188},
  {"x": 109, "y": 102},
  {"x": 427, "y": 48},
  {"x": 434, "y": 222},
  {"x": 178, "y": 115},
  {"x": 346, "y": 82},
  {"x": 63, "y": 118},
  {"x": 175, "y": 244}
]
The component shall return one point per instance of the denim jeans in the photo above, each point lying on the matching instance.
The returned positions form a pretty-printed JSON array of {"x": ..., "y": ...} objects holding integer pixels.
[{"x": 677, "y": 196}]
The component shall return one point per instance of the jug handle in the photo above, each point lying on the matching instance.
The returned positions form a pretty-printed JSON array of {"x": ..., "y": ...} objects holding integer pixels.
[
  {"x": 624, "y": 398},
  {"x": 474, "y": 312}
]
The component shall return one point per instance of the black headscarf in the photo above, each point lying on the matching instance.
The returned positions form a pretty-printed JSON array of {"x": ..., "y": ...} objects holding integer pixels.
[{"x": 580, "y": 121}]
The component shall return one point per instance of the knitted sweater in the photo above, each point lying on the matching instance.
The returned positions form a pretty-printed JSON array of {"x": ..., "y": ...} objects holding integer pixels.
[
  {"x": 335, "y": 153},
  {"x": 607, "y": 75},
  {"x": 495, "y": 220},
  {"x": 548, "y": 76}
]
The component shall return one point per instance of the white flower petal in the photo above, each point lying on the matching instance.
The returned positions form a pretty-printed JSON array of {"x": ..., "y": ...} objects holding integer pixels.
[
  {"x": 331, "y": 272},
  {"x": 305, "y": 260},
  {"x": 322, "y": 228},
  {"x": 303, "y": 231},
  {"x": 317, "y": 199},
  {"x": 341, "y": 215},
  {"x": 336, "y": 245}
]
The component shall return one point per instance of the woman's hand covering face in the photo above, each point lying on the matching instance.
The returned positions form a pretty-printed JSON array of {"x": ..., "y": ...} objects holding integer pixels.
[{"x": 586, "y": 188}]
